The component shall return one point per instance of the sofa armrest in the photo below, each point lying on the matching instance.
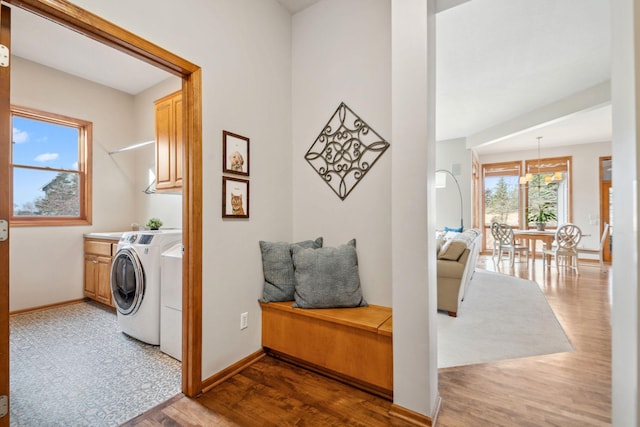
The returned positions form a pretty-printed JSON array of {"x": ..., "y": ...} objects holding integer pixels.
[
  {"x": 454, "y": 277},
  {"x": 453, "y": 269}
]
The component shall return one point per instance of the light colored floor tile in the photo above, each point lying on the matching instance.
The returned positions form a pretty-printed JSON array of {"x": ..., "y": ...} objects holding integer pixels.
[{"x": 71, "y": 366}]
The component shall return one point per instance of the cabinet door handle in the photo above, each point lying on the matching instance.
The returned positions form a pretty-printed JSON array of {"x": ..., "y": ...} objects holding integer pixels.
[{"x": 94, "y": 261}]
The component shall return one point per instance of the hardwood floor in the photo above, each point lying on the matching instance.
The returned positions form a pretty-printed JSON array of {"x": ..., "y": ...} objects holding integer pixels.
[
  {"x": 274, "y": 393},
  {"x": 565, "y": 389}
]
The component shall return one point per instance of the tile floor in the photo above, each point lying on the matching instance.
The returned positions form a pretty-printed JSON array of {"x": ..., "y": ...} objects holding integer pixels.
[{"x": 71, "y": 366}]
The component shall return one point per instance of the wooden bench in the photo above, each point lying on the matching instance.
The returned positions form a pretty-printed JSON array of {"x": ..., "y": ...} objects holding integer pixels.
[{"x": 353, "y": 345}]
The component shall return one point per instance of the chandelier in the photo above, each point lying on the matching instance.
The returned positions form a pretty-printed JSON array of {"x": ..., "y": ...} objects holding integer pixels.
[{"x": 527, "y": 178}]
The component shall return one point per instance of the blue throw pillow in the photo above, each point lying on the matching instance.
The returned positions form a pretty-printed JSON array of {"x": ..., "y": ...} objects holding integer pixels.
[{"x": 456, "y": 230}]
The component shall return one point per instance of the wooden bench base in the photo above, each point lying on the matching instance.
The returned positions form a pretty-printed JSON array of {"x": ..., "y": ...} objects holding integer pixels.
[{"x": 353, "y": 345}]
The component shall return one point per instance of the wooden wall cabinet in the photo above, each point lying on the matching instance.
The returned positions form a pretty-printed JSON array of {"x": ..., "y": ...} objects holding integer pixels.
[
  {"x": 98, "y": 255},
  {"x": 169, "y": 144}
]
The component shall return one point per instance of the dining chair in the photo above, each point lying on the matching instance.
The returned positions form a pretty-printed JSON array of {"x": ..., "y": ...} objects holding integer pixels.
[
  {"x": 494, "y": 233},
  {"x": 599, "y": 251},
  {"x": 566, "y": 243},
  {"x": 505, "y": 241}
]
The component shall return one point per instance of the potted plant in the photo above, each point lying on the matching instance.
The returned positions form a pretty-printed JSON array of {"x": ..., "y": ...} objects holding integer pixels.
[
  {"x": 541, "y": 214},
  {"x": 154, "y": 224}
]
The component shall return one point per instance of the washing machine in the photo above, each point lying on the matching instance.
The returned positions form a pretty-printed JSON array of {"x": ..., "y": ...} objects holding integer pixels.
[
  {"x": 135, "y": 281},
  {"x": 171, "y": 301}
]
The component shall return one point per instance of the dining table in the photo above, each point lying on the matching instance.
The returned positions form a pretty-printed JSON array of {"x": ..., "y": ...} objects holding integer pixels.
[{"x": 531, "y": 236}]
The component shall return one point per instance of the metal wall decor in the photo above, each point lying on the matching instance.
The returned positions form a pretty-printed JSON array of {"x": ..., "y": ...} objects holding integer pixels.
[{"x": 346, "y": 149}]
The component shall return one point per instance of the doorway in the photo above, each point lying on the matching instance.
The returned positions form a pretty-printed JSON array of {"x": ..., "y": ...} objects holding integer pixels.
[{"x": 85, "y": 23}]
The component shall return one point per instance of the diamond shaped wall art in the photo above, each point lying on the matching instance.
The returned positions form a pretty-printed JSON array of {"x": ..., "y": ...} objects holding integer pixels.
[{"x": 346, "y": 149}]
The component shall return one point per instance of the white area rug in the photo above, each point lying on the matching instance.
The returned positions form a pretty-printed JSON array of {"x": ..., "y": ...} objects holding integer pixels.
[{"x": 501, "y": 317}]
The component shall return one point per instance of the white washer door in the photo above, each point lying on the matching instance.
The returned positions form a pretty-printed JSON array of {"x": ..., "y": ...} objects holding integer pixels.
[{"x": 127, "y": 281}]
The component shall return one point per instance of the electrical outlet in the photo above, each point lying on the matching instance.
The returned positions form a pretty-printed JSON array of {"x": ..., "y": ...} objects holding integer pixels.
[{"x": 244, "y": 320}]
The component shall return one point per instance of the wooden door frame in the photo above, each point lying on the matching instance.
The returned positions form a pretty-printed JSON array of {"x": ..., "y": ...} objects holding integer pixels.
[
  {"x": 77, "y": 19},
  {"x": 5, "y": 210},
  {"x": 604, "y": 206}
]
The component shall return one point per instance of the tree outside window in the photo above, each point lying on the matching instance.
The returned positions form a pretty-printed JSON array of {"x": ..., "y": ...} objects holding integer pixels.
[
  {"x": 508, "y": 201},
  {"x": 51, "y": 169},
  {"x": 61, "y": 196},
  {"x": 551, "y": 187},
  {"x": 543, "y": 193},
  {"x": 501, "y": 200},
  {"x": 502, "y": 197}
]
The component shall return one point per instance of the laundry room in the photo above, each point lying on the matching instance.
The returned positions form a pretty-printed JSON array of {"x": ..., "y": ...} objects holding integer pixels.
[{"x": 50, "y": 292}]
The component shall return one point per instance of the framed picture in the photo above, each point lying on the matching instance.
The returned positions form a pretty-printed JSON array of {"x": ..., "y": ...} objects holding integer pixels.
[
  {"x": 235, "y": 198},
  {"x": 235, "y": 153}
]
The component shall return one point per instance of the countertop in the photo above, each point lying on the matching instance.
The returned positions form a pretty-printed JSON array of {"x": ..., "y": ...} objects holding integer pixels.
[{"x": 111, "y": 235}]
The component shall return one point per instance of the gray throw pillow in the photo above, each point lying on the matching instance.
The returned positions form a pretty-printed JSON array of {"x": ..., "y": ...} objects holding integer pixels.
[
  {"x": 279, "y": 279},
  {"x": 327, "y": 277}
]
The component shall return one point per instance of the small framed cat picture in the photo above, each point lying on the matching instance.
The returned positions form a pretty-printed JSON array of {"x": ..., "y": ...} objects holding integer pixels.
[
  {"x": 235, "y": 153},
  {"x": 235, "y": 198}
]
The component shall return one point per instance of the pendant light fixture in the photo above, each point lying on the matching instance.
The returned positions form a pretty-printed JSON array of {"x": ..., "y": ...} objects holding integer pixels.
[{"x": 528, "y": 177}]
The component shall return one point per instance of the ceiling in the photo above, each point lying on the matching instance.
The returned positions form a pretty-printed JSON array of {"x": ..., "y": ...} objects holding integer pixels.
[
  {"x": 42, "y": 41},
  {"x": 497, "y": 61}
]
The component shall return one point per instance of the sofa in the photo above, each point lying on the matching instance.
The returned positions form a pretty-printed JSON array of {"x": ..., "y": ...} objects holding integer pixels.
[{"x": 457, "y": 254}]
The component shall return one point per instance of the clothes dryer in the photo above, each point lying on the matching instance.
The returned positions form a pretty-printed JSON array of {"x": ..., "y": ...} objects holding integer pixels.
[
  {"x": 171, "y": 302},
  {"x": 135, "y": 281}
]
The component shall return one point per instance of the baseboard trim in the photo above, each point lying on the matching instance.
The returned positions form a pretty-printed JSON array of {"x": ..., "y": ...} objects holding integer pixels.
[
  {"x": 230, "y": 371},
  {"x": 45, "y": 307},
  {"x": 414, "y": 418}
]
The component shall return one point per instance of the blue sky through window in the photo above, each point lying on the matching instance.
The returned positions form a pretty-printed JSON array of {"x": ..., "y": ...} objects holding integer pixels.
[{"x": 40, "y": 144}]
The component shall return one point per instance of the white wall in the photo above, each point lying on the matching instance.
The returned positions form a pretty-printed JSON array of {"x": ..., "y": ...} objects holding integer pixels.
[
  {"x": 449, "y": 153},
  {"x": 415, "y": 372},
  {"x": 625, "y": 331},
  {"x": 244, "y": 49},
  {"x": 585, "y": 182},
  {"x": 167, "y": 207},
  {"x": 37, "y": 253},
  {"x": 342, "y": 53}
]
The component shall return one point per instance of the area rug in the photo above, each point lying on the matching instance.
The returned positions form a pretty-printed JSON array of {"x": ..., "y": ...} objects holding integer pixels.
[{"x": 501, "y": 317}]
